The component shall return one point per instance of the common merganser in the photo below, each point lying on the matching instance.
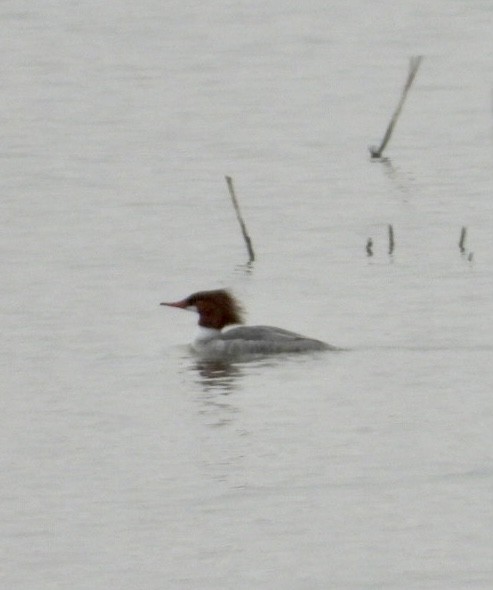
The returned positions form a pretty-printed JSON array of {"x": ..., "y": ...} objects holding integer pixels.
[{"x": 218, "y": 309}]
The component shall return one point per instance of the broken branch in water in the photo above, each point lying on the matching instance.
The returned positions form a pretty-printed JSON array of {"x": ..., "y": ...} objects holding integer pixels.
[
  {"x": 246, "y": 237},
  {"x": 414, "y": 63}
]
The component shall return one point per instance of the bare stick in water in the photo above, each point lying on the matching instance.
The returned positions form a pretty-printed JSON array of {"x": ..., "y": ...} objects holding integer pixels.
[
  {"x": 246, "y": 237},
  {"x": 414, "y": 63},
  {"x": 462, "y": 240},
  {"x": 391, "y": 239}
]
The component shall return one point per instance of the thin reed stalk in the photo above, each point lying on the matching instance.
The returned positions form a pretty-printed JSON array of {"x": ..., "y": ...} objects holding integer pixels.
[
  {"x": 236, "y": 206},
  {"x": 414, "y": 63}
]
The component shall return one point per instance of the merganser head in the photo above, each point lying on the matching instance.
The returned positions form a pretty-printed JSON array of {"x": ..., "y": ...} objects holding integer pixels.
[{"x": 216, "y": 309}]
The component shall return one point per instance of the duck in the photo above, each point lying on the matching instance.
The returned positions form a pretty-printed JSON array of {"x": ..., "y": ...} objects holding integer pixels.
[{"x": 218, "y": 309}]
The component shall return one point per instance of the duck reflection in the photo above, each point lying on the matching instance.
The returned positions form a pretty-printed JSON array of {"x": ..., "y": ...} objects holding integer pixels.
[
  {"x": 218, "y": 380},
  {"x": 217, "y": 375}
]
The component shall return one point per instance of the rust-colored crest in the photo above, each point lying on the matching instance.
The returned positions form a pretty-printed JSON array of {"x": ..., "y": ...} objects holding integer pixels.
[{"x": 217, "y": 308}]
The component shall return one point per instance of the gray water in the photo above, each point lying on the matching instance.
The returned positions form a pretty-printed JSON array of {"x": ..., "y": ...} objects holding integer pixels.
[{"x": 125, "y": 462}]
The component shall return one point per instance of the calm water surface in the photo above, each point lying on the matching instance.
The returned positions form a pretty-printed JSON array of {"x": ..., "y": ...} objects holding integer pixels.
[{"x": 126, "y": 463}]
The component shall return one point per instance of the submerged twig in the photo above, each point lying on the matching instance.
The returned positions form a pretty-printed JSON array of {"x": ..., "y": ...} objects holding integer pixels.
[
  {"x": 462, "y": 240},
  {"x": 414, "y": 63},
  {"x": 246, "y": 237},
  {"x": 391, "y": 239}
]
